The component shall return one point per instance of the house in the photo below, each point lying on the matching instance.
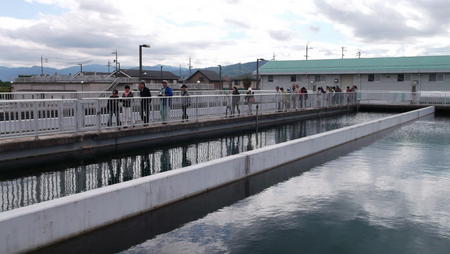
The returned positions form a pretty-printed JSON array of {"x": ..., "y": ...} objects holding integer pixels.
[
  {"x": 209, "y": 77},
  {"x": 149, "y": 76},
  {"x": 420, "y": 73},
  {"x": 244, "y": 81}
]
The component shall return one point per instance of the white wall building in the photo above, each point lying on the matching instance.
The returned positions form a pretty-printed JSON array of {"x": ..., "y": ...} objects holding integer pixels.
[{"x": 423, "y": 73}]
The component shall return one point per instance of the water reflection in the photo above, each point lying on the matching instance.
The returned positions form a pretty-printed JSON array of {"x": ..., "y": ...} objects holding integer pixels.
[
  {"x": 61, "y": 180},
  {"x": 389, "y": 197}
]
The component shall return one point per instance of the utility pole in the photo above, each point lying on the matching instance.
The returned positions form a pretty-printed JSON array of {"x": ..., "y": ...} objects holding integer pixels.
[
  {"x": 42, "y": 66},
  {"x": 358, "y": 53},
  {"x": 343, "y": 50},
  {"x": 109, "y": 65},
  {"x": 190, "y": 67},
  {"x": 81, "y": 68},
  {"x": 115, "y": 60},
  {"x": 307, "y": 48},
  {"x": 180, "y": 72},
  {"x": 161, "y": 72},
  {"x": 220, "y": 76},
  {"x": 273, "y": 58}
]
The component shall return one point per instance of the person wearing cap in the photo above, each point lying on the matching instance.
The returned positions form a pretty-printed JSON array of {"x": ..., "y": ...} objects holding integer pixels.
[
  {"x": 126, "y": 103},
  {"x": 185, "y": 102},
  {"x": 165, "y": 103},
  {"x": 113, "y": 107},
  {"x": 146, "y": 100}
]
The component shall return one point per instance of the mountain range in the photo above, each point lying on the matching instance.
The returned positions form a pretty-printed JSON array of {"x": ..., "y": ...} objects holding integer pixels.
[{"x": 234, "y": 70}]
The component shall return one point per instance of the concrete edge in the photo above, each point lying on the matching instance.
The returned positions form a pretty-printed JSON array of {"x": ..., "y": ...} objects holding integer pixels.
[{"x": 38, "y": 225}]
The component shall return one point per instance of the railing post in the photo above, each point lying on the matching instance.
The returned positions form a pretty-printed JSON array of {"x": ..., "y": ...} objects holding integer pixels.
[
  {"x": 196, "y": 108},
  {"x": 76, "y": 116},
  {"x": 36, "y": 119},
  {"x": 60, "y": 115},
  {"x": 99, "y": 119}
]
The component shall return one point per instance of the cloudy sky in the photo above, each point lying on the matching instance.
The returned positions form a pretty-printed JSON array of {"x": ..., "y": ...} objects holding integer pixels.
[{"x": 214, "y": 32}]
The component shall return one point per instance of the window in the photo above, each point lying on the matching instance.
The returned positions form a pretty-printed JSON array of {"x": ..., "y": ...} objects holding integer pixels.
[
  {"x": 440, "y": 77},
  {"x": 371, "y": 78},
  {"x": 293, "y": 78},
  {"x": 401, "y": 77},
  {"x": 317, "y": 78},
  {"x": 270, "y": 78},
  {"x": 201, "y": 79},
  {"x": 432, "y": 77}
]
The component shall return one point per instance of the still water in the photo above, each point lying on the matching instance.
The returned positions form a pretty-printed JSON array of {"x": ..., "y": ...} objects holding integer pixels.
[
  {"x": 392, "y": 196},
  {"x": 28, "y": 186}
]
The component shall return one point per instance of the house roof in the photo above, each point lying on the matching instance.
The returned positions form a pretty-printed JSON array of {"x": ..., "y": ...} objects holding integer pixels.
[
  {"x": 416, "y": 64},
  {"x": 150, "y": 74},
  {"x": 210, "y": 75}
]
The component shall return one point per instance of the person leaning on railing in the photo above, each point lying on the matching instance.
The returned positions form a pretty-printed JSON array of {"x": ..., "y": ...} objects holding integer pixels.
[{"x": 146, "y": 99}]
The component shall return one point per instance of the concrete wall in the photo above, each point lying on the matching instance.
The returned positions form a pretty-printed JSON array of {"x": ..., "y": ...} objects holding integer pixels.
[{"x": 41, "y": 224}]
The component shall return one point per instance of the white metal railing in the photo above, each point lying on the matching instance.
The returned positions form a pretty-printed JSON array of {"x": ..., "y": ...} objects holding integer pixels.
[
  {"x": 42, "y": 117},
  {"x": 402, "y": 98},
  {"x": 38, "y": 95}
]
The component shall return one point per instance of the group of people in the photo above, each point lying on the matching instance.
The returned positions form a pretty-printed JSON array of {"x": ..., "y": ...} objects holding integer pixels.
[
  {"x": 233, "y": 107},
  {"x": 294, "y": 97},
  {"x": 165, "y": 103}
]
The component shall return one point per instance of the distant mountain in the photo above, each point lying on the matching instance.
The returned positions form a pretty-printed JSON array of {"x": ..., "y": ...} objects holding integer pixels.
[{"x": 10, "y": 74}]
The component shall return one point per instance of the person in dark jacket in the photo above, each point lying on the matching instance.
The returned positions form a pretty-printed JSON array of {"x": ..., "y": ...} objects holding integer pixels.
[
  {"x": 165, "y": 103},
  {"x": 235, "y": 101},
  {"x": 127, "y": 109},
  {"x": 113, "y": 107},
  {"x": 146, "y": 100},
  {"x": 185, "y": 102}
]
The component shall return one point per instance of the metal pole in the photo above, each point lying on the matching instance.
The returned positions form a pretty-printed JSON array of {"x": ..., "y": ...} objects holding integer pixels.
[
  {"x": 161, "y": 72},
  {"x": 42, "y": 66},
  {"x": 257, "y": 74},
  {"x": 140, "y": 62},
  {"x": 220, "y": 75}
]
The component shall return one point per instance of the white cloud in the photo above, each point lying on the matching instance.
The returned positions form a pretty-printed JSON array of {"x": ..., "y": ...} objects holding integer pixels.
[{"x": 222, "y": 31}]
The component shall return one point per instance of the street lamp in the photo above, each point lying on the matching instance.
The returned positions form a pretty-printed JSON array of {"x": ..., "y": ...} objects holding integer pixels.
[
  {"x": 257, "y": 72},
  {"x": 220, "y": 75},
  {"x": 140, "y": 58},
  {"x": 161, "y": 73}
]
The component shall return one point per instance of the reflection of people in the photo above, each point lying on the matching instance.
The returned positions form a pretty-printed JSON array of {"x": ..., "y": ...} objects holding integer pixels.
[
  {"x": 127, "y": 170},
  {"x": 145, "y": 165},
  {"x": 165, "y": 103},
  {"x": 166, "y": 164},
  {"x": 185, "y": 162},
  {"x": 146, "y": 99},
  {"x": 114, "y": 177},
  {"x": 249, "y": 144},
  {"x": 113, "y": 107}
]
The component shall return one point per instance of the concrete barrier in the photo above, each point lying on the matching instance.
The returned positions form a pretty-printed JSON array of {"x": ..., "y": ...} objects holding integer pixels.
[{"x": 38, "y": 225}]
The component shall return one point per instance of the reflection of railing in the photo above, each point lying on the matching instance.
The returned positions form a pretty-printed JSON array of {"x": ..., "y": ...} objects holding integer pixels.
[
  {"x": 26, "y": 190},
  {"x": 41, "y": 117}
]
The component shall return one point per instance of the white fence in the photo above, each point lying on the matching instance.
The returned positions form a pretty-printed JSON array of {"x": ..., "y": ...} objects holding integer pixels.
[
  {"x": 402, "y": 98},
  {"x": 41, "y": 117}
]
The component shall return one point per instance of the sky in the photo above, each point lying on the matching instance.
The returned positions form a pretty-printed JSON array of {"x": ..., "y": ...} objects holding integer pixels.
[{"x": 213, "y": 32}]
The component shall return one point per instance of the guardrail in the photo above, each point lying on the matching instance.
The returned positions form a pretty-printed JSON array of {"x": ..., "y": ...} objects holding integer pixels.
[
  {"x": 43, "y": 95},
  {"x": 41, "y": 117},
  {"x": 402, "y": 98}
]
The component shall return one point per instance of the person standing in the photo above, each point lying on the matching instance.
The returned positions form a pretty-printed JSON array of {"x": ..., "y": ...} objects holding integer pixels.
[
  {"x": 236, "y": 97},
  {"x": 185, "y": 102},
  {"x": 250, "y": 99},
  {"x": 146, "y": 100},
  {"x": 279, "y": 99},
  {"x": 126, "y": 103},
  {"x": 165, "y": 103},
  {"x": 113, "y": 107}
]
